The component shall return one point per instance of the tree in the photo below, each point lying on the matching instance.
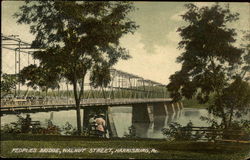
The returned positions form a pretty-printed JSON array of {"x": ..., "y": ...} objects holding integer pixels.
[
  {"x": 100, "y": 76},
  {"x": 8, "y": 84},
  {"x": 234, "y": 99},
  {"x": 209, "y": 61},
  {"x": 246, "y": 57},
  {"x": 38, "y": 76},
  {"x": 76, "y": 36}
]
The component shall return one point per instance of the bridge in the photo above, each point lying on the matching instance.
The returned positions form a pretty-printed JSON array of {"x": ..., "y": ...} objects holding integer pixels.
[{"x": 148, "y": 98}]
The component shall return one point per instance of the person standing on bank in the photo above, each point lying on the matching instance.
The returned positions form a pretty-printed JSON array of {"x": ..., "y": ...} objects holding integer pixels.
[{"x": 101, "y": 125}]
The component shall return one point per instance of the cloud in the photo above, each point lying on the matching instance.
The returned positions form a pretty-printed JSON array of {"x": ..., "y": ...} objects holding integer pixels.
[
  {"x": 203, "y": 4},
  {"x": 155, "y": 23},
  {"x": 177, "y": 17},
  {"x": 158, "y": 66},
  {"x": 174, "y": 37},
  {"x": 9, "y": 25},
  {"x": 152, "y": 47}
]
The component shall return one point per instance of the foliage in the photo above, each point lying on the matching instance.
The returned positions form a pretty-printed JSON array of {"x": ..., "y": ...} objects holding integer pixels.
[
  {"x": 246, "y": 58},
  {"x": 193, "y": 103},
  {"x": 68, "y": 129},
  {"x": 132, "y": 132},
  {"x": 177, "y": 132},
  {"x": 238, "y": 130},
  {"x": 211, "y": 62},
  {"x": 8, "y": 84},
  {"x": 100, "y": 76},
  {"x": 50, "y": 129},
  {"x": 77, "y": 40},
  {"x": 10, "y": 128},
  {"x": 14, "y": 127},
  {"x": 20, "y": 126},
  {"x": 241, "y": 128},
  {"x": 36, "y": 76},
  {"x": 215, "y": 128},
  {"x": 234, "y": 100},
  {"x": 208, "y": 50}
]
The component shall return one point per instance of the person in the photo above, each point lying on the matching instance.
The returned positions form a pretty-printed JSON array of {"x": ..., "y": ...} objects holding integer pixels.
[
  {"x": 91, "y": 118},
  {"x": 26, "y": 125},
  {"x": 92, "y": 122},
  {"x": 101, "y": 125}
]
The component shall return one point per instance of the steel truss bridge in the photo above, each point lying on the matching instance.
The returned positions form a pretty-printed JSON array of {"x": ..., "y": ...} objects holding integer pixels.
[{"x": 123, "y": 89}]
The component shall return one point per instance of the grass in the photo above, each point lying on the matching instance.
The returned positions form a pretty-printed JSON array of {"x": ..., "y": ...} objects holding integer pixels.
[{"x": 166, "y": 150}]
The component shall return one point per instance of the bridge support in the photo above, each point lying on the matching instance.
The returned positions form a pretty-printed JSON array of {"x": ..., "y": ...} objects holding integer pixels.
[
  {"x": 170, "y": 108},
  {"x": 176, "y": 107},
  {"x": 160, "y": 109},
  {"x": 181, "y": 105},
  {"x": 142, "y": 113},
  {"x": 111, "y": 124}
]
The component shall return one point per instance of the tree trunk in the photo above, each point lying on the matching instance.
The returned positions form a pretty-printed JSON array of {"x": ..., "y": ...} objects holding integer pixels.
[
  {"x": 103, "y": 93},
  {"x": 78, "y": 114},
  {"x": 46, "y": 94},
  {"x": 78, "y": 101},
  {"x": 218, "y": 92},
  {"x": 231, "y": 116}
]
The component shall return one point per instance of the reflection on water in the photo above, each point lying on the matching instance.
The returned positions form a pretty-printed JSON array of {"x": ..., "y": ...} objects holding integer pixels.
[
  {"x": 191, "y": 113},
  {"x": 143, "y": 130},
  {"x": 159, "y": 123},
  {"x": 122, "y": 117},
  {"x": 58, "y": 118}
]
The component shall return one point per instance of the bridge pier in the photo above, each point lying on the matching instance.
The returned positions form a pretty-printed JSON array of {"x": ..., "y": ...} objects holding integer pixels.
[
  {"x": 170, "y": 108},
  {"x": 160, "y": 109},
  {"x": 181, "y": 105},
  {"x": 146, "y": 113},
  {"x": 111, "y": 124},
  {"x": 142, "y": 113},
  {"x": 159, "y": 122},
  {"x": 176, "y": 107}
]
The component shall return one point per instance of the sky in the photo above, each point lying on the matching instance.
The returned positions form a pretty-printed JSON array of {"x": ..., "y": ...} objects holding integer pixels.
[{"x": 153, "y": 46}]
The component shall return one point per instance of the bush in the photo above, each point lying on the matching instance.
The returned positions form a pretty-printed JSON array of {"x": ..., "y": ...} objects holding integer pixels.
[
  {"x": 238, "y": 130},
  {"x": 10, "y": 128},
  {"x": 132, "y": 132},
  {"x": 177, "y": 132},
  {"x": 14, "y": 127},
  {"x": 68, "y": 129}
]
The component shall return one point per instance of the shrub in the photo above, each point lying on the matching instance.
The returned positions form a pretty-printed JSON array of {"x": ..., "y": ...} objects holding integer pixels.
[{"x": 177, "y": 132}]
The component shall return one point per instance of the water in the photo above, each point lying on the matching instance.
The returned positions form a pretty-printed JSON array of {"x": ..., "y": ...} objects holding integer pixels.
[{"x": 123, "y": 120}]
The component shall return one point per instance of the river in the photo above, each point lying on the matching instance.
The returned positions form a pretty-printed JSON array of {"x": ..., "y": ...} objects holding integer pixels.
[{"x": 123, "y": 120}]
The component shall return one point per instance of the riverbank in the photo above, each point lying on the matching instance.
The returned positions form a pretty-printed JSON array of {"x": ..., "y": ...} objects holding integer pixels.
[
  {"x": 193, "y": 103},
  {"x": 81, "y": 147}
]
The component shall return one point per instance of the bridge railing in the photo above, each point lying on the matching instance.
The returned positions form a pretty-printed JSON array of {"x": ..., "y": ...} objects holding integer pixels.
[{"x": 71, "y": 101}]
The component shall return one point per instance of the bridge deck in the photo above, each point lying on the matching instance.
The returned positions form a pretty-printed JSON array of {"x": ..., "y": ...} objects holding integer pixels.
[{"x": 40, "y": 106}]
